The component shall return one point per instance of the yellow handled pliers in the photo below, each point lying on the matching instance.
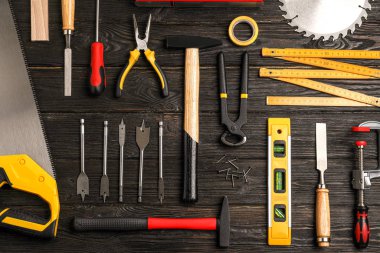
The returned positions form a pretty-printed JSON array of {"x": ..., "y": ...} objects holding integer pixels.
[{"x": 142, "y": 45}]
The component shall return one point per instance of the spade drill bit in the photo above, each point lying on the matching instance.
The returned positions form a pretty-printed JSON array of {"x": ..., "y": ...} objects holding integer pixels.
[
  {"x": 142, "y": 140},
  {"x": 104, "y": 183},
  {"x": 121, "y": 143},
  {"x": 82, "y": 181},
  {"x": 160, "y": 171}
]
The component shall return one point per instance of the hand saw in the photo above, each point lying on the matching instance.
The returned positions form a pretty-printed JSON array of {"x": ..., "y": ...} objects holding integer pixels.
[{"x": 25, "y": 163}]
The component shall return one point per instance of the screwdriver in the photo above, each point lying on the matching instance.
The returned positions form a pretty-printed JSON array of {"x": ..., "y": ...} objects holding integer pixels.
[
  {"x": 68, "y": 13},
  {"x": 98, "y": 75}
]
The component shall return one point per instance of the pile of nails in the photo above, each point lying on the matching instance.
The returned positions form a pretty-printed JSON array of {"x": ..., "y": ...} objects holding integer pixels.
[{"x": 231, "y": 170}]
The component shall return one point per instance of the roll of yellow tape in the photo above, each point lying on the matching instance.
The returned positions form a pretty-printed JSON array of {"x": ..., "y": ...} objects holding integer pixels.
[{"x": 243, "y": 19}]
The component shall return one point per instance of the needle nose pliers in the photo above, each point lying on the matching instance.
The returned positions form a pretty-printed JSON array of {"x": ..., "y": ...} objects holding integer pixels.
[
  {"x": 233, "y": 128},
  {"x": 142, "y": 45}
]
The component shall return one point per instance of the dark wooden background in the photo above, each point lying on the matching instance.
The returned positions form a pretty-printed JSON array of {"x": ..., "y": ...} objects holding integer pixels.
[{"x": 141, "y": 100}]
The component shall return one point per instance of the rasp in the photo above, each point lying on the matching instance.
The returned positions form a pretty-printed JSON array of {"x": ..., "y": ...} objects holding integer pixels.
[{"x": 25, "y": 162}]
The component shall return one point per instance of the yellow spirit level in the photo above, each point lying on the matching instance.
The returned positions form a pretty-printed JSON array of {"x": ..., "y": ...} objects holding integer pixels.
[{"x": 279, "y": 184}]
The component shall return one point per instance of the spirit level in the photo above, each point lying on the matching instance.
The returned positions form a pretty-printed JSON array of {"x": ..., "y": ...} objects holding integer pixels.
[{"x": 279, "y": 184}]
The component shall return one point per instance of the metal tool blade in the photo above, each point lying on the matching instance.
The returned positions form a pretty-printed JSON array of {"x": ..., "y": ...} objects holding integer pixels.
[
  {"x": 161, "y": 187},
  {"x": 121, "y": 172},
  {"x": 142, "y": 140},
  {"x": 104, "y": 181},
  {"x": 142, "y": 136},
  {"x": 83, "y": 184},
  {"x": 321, "y": 149},
  {"x": 21, "y": 126},
  {"x": 68, "y": 70},
  {"x": 325, "y": 18}
]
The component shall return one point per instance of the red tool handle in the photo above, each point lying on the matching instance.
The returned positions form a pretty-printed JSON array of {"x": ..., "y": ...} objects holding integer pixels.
[
  {"x": 98, "y": 76},
  {"x": 361, "y": 229},
  {"x": 183, "y": 223}
]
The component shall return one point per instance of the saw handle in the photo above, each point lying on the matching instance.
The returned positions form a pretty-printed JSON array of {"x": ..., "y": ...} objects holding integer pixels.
[
  {"x": 21, "y": 173},
  {"x": 361, "y": 227},
  {"x": 323, "y": 217}
]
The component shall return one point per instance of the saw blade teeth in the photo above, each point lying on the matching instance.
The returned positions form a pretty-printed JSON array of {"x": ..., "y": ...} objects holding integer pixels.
[
  {"x": 367, "y": 5},
  {"x": 282, "y": 8}
]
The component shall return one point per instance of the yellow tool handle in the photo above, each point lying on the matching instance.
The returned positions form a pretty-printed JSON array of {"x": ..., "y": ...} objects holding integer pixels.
[
  {"x": 322, "y": 215},
  {"x": 150, "y": 55},
  {"x": 133, "y": 58},
  {"x": 68, "y": 13},
  {"x": 332, "y": 90},
  {"x": 312, "y": 101},
  {"x": 329, "y": 64},
  {"x": 310, "y": 73},
  {"x": 21, "y": 173},
  {"x": 320, "y": 53}
]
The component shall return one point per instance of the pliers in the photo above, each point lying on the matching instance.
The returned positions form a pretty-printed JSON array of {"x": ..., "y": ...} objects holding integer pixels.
[
  {"x": 233, "y": 128},
  {"x": 142, "y": 45}
]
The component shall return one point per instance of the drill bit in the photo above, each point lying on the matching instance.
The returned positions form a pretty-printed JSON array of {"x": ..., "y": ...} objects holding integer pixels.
[
  {"x": 142, "y": 140},
  {"x": 104, "y": 182},
  {"x": 82, "y": 181},
  {"x": 160, "y": 171},
  {"x": 121, "y": 143}
]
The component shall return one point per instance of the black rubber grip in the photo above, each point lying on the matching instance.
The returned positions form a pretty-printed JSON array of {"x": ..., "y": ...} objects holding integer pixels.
[
  {"x": 190, "y": 184},
  {"x": 361, "y": 227},
  {"x": 109, "y": 224},
  {"x": 48, "y": 233},
  {"x": 165, "y": 88}
]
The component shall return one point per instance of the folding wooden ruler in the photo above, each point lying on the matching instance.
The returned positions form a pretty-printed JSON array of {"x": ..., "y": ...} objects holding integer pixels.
[{"x": 332, "y": 70}]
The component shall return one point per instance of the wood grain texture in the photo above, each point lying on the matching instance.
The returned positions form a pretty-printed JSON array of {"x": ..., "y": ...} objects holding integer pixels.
[
  {"x": 322, "y": 213},
  {"x": 142, "y": 100},
  {"x": 39, "y": 20},
  {"x": 68, "y": 14},
  {"x": 191, "y": 114}
]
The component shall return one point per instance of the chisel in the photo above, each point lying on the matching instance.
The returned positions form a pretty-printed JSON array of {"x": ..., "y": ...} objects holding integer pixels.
[
  {"x": 68, "y": 13},
  {"x": 322, "y": 204}
]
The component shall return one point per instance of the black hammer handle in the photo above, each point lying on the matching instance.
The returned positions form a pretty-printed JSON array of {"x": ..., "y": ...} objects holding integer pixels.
[
  {"x": 191, "y": 125},
  {"x": 110, "y": 224}
]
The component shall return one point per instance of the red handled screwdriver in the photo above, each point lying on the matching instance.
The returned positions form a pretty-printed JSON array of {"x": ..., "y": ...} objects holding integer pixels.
[{"x": 98, "y": 75}]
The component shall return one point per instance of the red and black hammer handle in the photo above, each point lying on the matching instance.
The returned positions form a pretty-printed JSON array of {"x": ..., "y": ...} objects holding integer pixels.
[
  {"x": 191, "y": 125},
  {"x": 125, "y": 224}
]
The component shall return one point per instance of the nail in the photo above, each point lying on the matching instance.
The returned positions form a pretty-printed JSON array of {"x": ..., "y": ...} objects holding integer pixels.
[
  {"x": 228, "y": 173},
  {"x": 230, "y": 162},
  {"x": 221, "y": 159},
  {"x": 219, "y": 171}
]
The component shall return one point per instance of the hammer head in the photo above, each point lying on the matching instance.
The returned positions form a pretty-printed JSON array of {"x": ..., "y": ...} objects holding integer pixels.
[
  {"x": 224, "y": 225},
  {"x": 183, "y": 42}
]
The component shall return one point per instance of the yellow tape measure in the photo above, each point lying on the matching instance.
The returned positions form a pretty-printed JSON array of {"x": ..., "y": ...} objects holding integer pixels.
[
  {"x": 312, "y": 101},
  {"x": 332, "y": 90},
  {"x": 310, "y": 73},
  {"x": 320, "y": 53},
  {"x": 247, "y": 20}
]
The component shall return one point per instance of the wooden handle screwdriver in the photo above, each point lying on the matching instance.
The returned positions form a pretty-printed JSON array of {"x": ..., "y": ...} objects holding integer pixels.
[{"x": 68, "y": 13}]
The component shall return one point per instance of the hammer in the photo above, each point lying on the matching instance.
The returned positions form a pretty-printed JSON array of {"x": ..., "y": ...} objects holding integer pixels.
[
  {"x": 221, "y": 225},
  {"x": 192, "y": 44}
]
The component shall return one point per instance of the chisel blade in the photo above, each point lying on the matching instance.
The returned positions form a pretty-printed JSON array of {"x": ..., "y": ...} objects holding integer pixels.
[
  {"x": 68, "y": 66},
  {"x": 321, "y": 147}
]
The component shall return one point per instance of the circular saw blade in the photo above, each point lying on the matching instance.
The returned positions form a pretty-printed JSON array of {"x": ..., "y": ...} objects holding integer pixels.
[{"x": 325, "y": 18}]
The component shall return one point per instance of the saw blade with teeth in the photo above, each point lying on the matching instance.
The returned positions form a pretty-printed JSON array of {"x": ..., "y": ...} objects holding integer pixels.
[{"x": 325, "y": 18}]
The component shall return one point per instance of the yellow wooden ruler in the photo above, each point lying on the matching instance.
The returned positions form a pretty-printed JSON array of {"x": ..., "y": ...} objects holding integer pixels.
[
  {"x": 312, "y": 101},
  {"x": 329, "y": 64},
  {"x": 333, "y": 70},
  {"x": 320, "y": 53},
  {"x": 310, "y": 73},
  {"x": 332, "y": 90}
]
